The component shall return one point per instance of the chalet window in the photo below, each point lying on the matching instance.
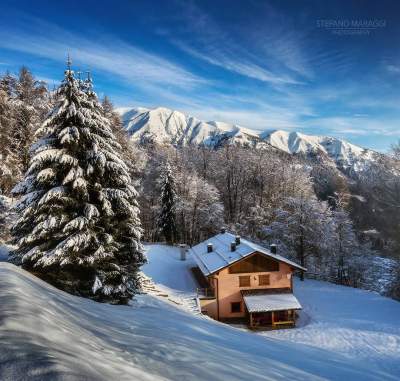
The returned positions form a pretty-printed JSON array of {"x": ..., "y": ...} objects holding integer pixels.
[
  {"x": 263, "y": 280},
  {"x": 236, "y": 307},
  {"x": 256, "y": 263},
  {"x": 244, "y": 281}
]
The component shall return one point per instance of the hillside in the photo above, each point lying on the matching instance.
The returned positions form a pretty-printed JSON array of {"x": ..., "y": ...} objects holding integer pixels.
[
  {"x": 51, "y": 335},
  {"x": 166, "y": 126}
]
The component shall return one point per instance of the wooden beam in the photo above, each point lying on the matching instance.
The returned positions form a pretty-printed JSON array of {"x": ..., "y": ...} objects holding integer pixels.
[
  {"x": 273, "y": 318},
  {"x": 251, "y": 320}
]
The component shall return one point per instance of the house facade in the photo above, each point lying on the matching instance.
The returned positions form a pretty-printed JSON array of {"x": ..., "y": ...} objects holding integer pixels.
[{"x": 243, "y": 281}]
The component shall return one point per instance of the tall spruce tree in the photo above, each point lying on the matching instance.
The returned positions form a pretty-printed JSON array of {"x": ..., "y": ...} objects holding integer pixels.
[
  {"x": 79, "y": 227},
  {"x": 167, "y": 218}
]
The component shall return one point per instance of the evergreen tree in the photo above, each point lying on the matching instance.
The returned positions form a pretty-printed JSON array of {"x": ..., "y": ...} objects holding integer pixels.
[
  {"x": 129, "y": 152},
  {"x": 79, "y": 227},
  {"x": 167, "y": 218}
]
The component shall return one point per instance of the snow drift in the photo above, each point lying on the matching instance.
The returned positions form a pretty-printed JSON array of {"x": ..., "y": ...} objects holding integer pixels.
[{"x": 47, "y": 334}]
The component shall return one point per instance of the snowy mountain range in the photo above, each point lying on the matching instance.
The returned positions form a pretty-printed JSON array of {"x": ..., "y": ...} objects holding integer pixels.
[{"x": 165, "y": 126}]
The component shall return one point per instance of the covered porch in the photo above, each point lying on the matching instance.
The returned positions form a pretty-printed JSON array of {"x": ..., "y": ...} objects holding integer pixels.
[
  {"x": 272, "y": 319},
  {"x": 271, "y": 310}
]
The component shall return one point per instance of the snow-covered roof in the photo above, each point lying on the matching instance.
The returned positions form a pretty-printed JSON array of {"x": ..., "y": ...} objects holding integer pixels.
[
  {"x": 264, "y": 302},
  {"x": 222, "y": 256}
]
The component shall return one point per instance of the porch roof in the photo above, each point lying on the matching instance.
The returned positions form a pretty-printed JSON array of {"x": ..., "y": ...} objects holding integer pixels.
[{"x": 265, "y": 302}]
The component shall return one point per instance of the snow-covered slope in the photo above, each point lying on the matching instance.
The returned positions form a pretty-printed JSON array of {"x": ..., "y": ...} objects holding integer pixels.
[
  {"x": 342, "y": 152},
  {"x": 46, "y": 334},
  {"x": 165, "y": 126}
]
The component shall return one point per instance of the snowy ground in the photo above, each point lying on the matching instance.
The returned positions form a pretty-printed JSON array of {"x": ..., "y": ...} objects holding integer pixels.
[
  {"x": 171, "y": 278},
  {"x": 46, "y": 334},
  {"x": 358, "y": 324}
]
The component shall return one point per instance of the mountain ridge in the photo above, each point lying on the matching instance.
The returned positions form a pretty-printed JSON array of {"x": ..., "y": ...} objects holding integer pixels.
[{"x": 167, "y": 126}]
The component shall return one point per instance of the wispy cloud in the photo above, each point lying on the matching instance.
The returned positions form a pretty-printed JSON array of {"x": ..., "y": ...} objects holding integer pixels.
[
  {"x": 107, "y": 53},
  {"x": 244, "y": 67},
  {"x": 355, "y": 125},
  {"x": 273, "y": 49},
  {"x": 393, "y": 68},
  {"x": 212, "y": 44}
]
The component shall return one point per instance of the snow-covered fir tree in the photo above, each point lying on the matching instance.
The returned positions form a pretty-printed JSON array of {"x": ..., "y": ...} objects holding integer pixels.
[
  {"x": 79, "y": 227},
  {"x": 167, "y": 217},
  {"x": 130, "y": 152}
]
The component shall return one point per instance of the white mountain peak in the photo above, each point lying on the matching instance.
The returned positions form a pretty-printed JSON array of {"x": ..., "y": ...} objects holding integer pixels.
[{"x": 166, "y": 126}]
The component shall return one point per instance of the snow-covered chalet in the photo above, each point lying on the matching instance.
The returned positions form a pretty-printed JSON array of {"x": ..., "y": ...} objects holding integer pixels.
[{"x": 241, "y": 280}]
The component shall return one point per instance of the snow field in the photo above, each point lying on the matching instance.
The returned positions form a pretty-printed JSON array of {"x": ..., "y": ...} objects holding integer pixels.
[{"x": 48, "y": 334}]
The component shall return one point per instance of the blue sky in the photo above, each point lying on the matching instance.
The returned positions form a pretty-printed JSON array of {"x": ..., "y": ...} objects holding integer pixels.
[{"x": 318, "y": 67}]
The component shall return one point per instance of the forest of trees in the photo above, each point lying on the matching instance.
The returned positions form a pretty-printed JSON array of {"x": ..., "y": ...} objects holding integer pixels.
[{"x": 187, "y": 194}]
